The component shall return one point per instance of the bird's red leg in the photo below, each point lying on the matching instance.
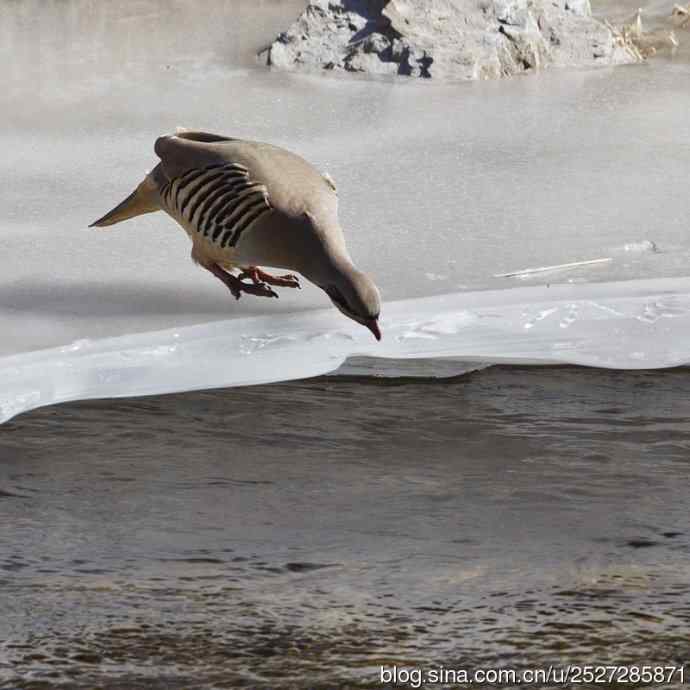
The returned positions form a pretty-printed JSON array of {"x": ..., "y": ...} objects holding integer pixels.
[
  {"x": 258, "y": 276},
  {"x": 235, "y": 285}
]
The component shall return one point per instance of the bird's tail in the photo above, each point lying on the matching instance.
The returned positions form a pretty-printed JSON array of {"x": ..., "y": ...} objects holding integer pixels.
[{"x": 144, "y": 199}]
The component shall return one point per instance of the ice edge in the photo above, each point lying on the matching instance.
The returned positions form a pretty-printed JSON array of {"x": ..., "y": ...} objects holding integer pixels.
[{"x": 629, "y": 325}]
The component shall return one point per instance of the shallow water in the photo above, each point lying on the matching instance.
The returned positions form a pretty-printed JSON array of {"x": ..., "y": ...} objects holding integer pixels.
[{"x": 301, "y": 534}]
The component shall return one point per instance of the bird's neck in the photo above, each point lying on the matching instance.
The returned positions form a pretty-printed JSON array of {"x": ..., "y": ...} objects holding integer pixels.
[
  {"x": 329, "y": 259},
  {"x": 330, "y": 268}
]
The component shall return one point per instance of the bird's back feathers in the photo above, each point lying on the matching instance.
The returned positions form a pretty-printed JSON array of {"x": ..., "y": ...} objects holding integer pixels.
[
  {"x": 293, "y": 185},
  {"x": 222, "y": 190}
]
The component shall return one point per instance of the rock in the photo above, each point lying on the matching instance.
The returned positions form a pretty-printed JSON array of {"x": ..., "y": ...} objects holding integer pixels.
[
  {"x": 580, "y": 7},
  {"x": 510, "y": 11},
  {"x": 448, "y": 39}
]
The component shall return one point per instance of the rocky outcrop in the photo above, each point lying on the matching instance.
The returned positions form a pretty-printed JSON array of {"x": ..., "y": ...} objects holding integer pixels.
[{"x": 447, "y": 39}]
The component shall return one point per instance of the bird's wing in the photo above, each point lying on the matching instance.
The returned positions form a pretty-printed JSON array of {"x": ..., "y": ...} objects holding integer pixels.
[
  {"x": 187, "y": 150},
  {"x": 210, "y": 187},
  {"x": 294, "y": 186}
]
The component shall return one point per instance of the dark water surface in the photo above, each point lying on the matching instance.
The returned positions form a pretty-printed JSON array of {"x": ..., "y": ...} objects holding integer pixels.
[{"x": 300, "y": 535}]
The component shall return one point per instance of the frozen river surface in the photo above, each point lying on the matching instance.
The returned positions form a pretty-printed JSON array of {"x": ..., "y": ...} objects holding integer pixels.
[{"x": 442, "y": 186}]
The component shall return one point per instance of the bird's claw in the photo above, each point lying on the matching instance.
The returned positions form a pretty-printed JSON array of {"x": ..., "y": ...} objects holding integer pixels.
[
  {"x": 266, "y": 291},
  {"x": 237, "y": 287},
  {"x": 258, "y": 289},
  {"x": 291, "y": 280},
  {"x": 259, "y": 277}
]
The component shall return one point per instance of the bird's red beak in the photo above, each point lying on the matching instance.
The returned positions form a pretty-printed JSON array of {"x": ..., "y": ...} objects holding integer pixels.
[{"x": 373, "y": 326}]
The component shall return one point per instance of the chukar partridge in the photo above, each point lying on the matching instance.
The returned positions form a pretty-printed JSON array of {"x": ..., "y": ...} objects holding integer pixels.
[{"x": 246, "y": 204}]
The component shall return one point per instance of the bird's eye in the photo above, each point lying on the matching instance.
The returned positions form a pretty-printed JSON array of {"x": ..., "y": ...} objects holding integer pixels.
[{"x": 336, "y": 296}]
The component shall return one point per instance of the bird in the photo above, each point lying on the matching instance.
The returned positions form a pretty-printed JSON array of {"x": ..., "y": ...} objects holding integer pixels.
[{"x": 247, "y": 204}]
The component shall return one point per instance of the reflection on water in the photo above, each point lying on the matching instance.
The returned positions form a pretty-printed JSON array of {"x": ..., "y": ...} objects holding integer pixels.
[{"x": 300, "y": 535}]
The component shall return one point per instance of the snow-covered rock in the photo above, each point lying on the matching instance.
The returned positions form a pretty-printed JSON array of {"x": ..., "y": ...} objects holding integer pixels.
[{"x": 447, "y": 39}]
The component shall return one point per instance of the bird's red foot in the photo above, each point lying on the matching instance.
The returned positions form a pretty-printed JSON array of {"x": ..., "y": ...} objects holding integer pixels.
[
  {"x": 257, "y": 276},
  {"x": 237, "y": 286}
]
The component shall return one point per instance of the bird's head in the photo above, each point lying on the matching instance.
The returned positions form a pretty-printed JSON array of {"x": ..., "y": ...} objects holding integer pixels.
[
  {"x": 355, "y": 295},
  {"x": 328, "y": 264}
]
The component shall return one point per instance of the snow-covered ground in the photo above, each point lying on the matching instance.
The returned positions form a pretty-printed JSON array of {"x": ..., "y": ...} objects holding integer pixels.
[{"x": 442, "y": 188}]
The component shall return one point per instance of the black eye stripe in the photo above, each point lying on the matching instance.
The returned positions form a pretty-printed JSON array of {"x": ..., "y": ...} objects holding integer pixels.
[{"x": 337, "y": 297}]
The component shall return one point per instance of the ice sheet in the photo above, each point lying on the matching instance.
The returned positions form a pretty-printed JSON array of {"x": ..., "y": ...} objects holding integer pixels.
[
  {"x": 620, "y": 325},
  {"x": 441, "y": 187}
]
